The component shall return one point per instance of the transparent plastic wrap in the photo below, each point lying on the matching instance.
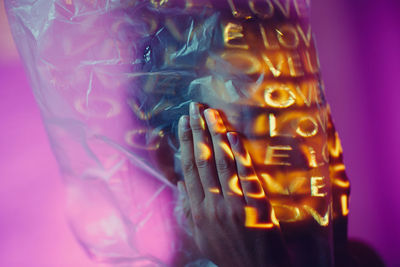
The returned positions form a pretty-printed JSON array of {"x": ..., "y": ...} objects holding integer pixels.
[{"x": 112, "y": 79}]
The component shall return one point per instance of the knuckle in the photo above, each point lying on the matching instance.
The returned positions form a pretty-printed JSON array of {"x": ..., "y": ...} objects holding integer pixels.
[
  {"x": 188, "y": 166},
  {"x": 185, "y": 136},
  {"x": 202, "y": 163},
  {"x": 196, "y": 126},
  {"x": 223, "y": 164},
  {"x": 191, "y": 183}
]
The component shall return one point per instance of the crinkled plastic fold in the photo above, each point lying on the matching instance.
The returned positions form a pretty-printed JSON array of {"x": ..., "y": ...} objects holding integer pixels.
[{"x": 112, "y": 78}]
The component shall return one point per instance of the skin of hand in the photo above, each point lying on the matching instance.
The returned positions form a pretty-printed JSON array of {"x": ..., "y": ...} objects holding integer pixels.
[{"x": 211, "y": 160}]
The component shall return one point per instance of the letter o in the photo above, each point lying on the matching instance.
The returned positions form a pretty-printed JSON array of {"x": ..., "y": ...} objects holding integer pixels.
[
  {"x": 286, "y": 213},
  {"x": 287, "y": 36},
  {"x": 260, "y": 13},
  {"x": 307, "y": 127},
  {"x": 243, "y": 61},
  {"x": 279, "y": 97}
]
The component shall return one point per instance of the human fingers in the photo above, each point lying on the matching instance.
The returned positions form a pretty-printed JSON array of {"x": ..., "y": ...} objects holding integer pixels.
[
  {"x": 258, "y": 206},
  {"x": 191, "y": 176},
  {"x": 203, "y": 153},
  {"x": 224, "y": 159}
]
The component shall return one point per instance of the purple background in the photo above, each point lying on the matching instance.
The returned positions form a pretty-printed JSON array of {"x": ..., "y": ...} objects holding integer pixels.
[{"x": 358, "y": 42}]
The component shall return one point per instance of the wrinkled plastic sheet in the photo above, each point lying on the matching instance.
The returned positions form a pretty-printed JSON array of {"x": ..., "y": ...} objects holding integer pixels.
[{"x": 112, "y": 79}]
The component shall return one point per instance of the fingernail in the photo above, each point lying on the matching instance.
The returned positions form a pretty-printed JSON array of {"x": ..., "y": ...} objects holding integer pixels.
[
  {"x": 184, "y": 123},
  {"x": 233, "y": 139},
  {"x": 194, "y": 110},
  {"x": 210, "y": 116}
]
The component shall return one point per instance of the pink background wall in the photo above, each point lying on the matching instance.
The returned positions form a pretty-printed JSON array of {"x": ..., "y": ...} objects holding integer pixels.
[
  {"x": 359, "y": 43},
  {"x": 359, "y": 46}
]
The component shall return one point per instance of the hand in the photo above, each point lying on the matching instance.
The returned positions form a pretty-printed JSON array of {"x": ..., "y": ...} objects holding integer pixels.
[{"x": 232, "y": 221}]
